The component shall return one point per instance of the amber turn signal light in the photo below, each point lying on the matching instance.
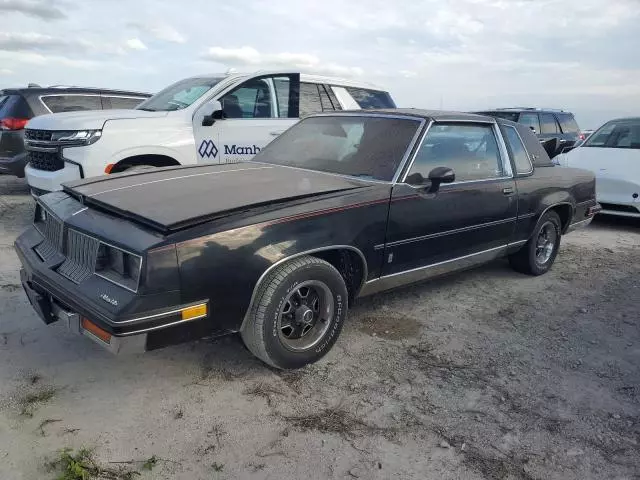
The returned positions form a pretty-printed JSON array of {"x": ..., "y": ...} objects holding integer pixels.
[
  {"x": 96, "y": 330},
  {"x": 196, "y": 311}
]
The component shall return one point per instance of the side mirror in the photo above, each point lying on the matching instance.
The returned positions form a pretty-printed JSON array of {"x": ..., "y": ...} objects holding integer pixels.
[
  {"x": 436, "y": 177},
  {"x": 212, "y": 111},
  {"x": 533, "y": 129},
  {"x": 442, "y": 175}
]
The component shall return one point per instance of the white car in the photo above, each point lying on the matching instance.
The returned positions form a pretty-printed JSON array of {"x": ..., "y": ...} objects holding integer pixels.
[
  {"x": 613, "y": 153},
  {"x": 207, "y": 119}
]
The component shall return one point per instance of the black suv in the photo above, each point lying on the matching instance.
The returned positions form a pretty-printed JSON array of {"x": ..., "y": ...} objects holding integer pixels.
[
  {"x": 19, "y": 105},
  {"x": 546, "y": 123}
]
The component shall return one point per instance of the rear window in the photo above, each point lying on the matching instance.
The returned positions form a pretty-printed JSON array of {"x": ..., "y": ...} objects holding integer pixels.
[
  {"x": 616, "y": 134},
  {"x": 568, "y": 123},
  {"x": 14, "y": 106},
  {"x": 72, "y": 103},
  {"x": 368, "y": 99},
  {"x": 506, "y": 115}
]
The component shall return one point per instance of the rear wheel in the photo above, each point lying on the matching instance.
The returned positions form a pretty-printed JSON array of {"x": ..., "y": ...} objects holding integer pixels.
[
  {"x": 537, "y": 256},
  {"x": 297, "y": 314}
]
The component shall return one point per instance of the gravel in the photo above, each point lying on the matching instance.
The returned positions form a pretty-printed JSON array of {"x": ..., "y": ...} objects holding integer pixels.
[{"x": 486, "y": 374}]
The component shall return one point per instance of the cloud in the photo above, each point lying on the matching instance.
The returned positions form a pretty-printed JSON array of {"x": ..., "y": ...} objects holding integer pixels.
[
  {"x": 135, "y": 44},
  {"x": 42, "y": 9},
  {"x": 6, "y": 71},
  {"x": 249, "y": 56},
  {"x": 30, "y": 42},
  {"x": 160, "y": 31},
  {"x": 12, "y": 42},
  {"x": 31, "y": 58}
]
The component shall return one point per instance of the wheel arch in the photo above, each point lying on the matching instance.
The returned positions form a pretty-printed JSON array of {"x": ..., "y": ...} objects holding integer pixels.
[
  {"x": 565, "y": 211},
  {"x": 347, "y": 259},
  {"x": 157, "y": 160}
]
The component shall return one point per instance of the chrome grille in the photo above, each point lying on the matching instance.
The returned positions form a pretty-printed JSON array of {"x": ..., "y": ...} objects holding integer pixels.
[
  {"x": 39, "y": 135},
  {"x": 82, "y": 251},
  {"x": 51, "y": 229}
]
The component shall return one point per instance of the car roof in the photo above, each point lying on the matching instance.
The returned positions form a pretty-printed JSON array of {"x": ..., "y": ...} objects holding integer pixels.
[
  {"x": 527, "y": 109},
  {"x": 62, "y": 89},
  {"x": 435, "y": 115},
  {"x": 305, "y": 77}
]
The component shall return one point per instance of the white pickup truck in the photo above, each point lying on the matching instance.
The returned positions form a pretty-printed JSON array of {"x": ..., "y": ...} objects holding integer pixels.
[{"x": 212, "y": 119}]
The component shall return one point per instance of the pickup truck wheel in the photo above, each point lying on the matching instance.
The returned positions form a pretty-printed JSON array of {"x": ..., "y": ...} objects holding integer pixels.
[
  {"x": 139, "y": 168},
  {"x": 297, "y": 314},
  {"x": 538, "y": 254}
]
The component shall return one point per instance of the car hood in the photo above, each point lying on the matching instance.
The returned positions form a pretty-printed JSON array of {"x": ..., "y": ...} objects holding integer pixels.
[
  {"x": 86, "y": 120},
  {"x": 619, "y": 162},
  {"x": 172, "y": 198}
]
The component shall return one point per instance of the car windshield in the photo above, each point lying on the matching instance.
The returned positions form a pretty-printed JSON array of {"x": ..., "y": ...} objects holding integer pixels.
[
  {"x": 179, "y": 95},
  {"x": 362, "y": 146},
  {"x": 616, "y": 134}
]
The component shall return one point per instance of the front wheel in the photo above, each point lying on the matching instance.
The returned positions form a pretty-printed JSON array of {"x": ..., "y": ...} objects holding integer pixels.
[
  {"x": 139, "y": 168},
  {"x": 537, "y": 256},
  {"x": 297, "y": 314}
]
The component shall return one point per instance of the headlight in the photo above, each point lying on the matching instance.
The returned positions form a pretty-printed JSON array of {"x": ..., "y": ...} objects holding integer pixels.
[
  {"x": 78, "y": 137},
  {"x": 120, "y": 267}
]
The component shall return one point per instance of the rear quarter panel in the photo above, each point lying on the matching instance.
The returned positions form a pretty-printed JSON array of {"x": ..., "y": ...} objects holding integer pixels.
[{"x": 550, "y": 187}]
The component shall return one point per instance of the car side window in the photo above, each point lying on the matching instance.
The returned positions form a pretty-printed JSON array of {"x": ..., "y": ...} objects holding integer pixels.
[
  {"x": 470, "y": 150},
  {"x": 568, "y": 123},
  {"x": 310, "y": 102},
  {"x": 518, "y": 151},
  {"x": 548, "y": 123},
  {"x": 314, "y": 98},
  {"x": 72, "y": 103},
  {"x": 251, "y": 100},
  {"x": 109, "y": 102},
  {"x": 530, "y": 120},
  {"x": 332, "y": 97}
]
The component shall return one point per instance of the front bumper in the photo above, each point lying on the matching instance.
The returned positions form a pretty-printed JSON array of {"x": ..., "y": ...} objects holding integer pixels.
[
  {"x": 49, "y": 310},
  {"x": 45, "y": 181},
  {"x": 137, "y": 329}
]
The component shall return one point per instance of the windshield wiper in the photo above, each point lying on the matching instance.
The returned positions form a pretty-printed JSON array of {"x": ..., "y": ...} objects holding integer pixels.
[{"x": 146, "y": 109}]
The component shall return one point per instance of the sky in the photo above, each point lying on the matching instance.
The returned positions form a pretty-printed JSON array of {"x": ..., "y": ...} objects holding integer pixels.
[{"x": 577, "y": 55}]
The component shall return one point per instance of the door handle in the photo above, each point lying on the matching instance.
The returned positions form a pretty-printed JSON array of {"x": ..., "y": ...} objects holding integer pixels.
[
  {"x": 275, "y": 134},
  {"x": 508, "y": 190}
]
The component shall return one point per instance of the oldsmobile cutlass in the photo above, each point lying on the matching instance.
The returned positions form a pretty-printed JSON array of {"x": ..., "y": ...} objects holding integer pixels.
[{"x": 339, "y": 206}]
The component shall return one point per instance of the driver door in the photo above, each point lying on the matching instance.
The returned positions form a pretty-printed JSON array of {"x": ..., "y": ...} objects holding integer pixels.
[
  {"x": 474, "y": 215},
  {"x": 256, "y": 112}
]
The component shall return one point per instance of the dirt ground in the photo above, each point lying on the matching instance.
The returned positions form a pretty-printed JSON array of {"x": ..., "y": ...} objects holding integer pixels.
[{"x": 487, "y": 374}]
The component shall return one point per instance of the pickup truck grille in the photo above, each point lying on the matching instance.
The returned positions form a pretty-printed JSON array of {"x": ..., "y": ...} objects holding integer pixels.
[
  {"x": 39, "y": 135},
  {"x": 82, "y": 252},
  {"x": 51, "y": 229},
  {"x": 48, "y": 161}
]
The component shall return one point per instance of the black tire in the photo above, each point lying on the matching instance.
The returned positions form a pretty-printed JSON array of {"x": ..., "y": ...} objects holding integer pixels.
[
  {"x": 263, "y": 332},
  {"x": 139, "y": 168},
  {"x": 527, "y": 259}
]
